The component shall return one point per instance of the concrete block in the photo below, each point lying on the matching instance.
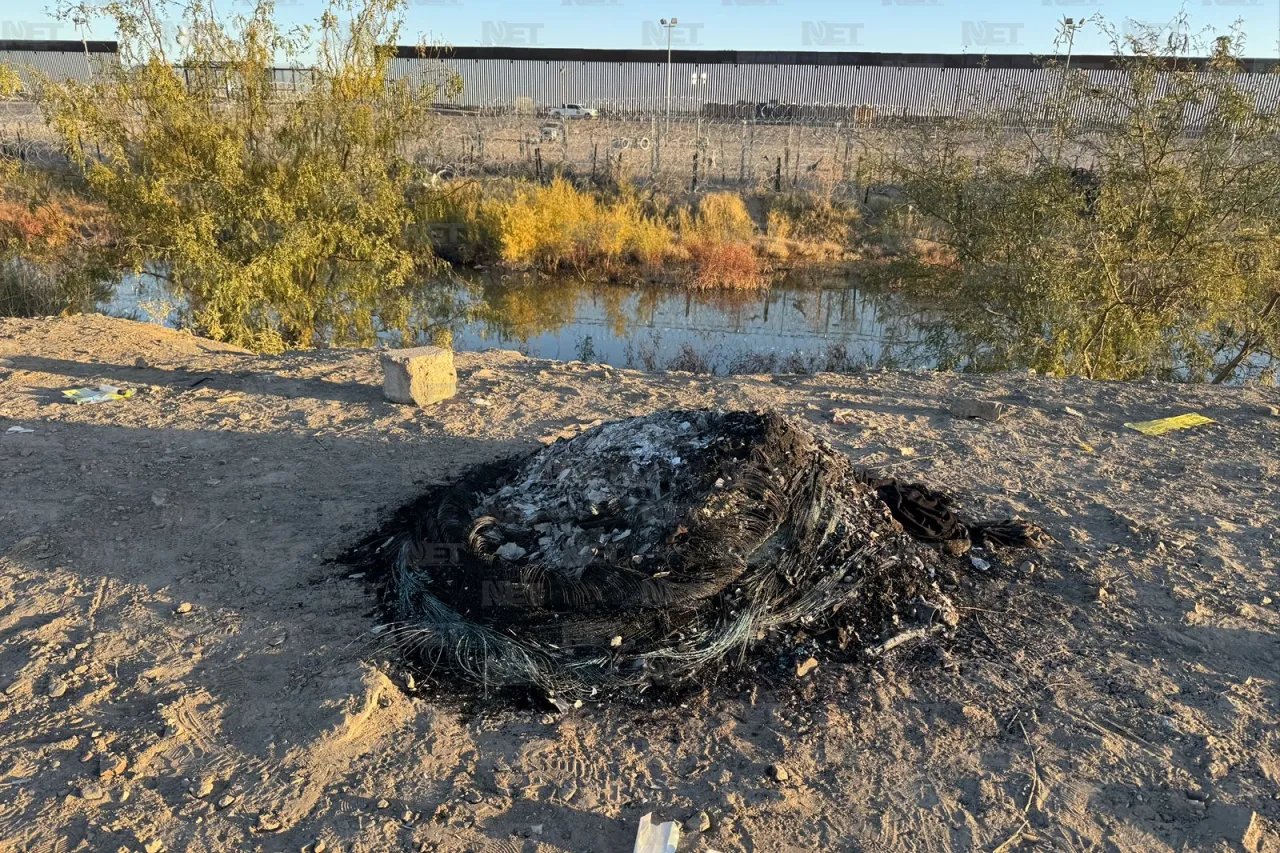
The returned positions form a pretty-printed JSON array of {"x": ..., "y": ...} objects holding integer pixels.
[
  {"x": 419, "y": 376},
  {"x": 987, "y": 410}
]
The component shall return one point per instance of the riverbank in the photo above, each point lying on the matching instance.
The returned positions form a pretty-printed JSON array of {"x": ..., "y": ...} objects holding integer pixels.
[{"x": 181, "y": 664}]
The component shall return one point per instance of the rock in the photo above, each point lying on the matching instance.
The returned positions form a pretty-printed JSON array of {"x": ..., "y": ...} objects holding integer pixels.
[
  {"x": 700, "y": 822},
  {"x": 184, "y": 607},
  {"x": 778, "y": 773},
  {"x": 805, "y": 667},
  {"x": 382, "y": 804},
  {"x": 226, "y": 801},
  {"x": 987, "y": 410},
  {"x": 141, "y": 362},
  {"x": 57, "y": 687},
  {"x": 1027, "y": 567},
  {"x": 473, "y": 796},
  {"x": 202, "y": 788},
  {"x": 110, "y": 765},
  {"x": 1274, "y": 411},
  {"x": 92, "y": 791},
  {"x": 155, "y": 845},
  {"x": 419, "y": 376},
  {"x": 267, "y": 823},
  {"x": 979, "y": 563}
]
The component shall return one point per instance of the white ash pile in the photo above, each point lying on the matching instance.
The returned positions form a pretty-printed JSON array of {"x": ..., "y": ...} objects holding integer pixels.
[
  {"x": 612, "y": 493},
  {"x": 647, "y": 551}
]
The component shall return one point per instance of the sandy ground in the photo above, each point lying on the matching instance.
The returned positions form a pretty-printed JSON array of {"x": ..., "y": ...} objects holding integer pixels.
[{"x": 183, "y": 668}]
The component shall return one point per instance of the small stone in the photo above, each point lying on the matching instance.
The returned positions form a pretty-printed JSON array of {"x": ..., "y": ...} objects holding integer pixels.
[
  {"x": 979, "y": 563},
  {"x": 382, "y": 804},
  {"x": 57, "y": 687},
  {"x": 616, "y": 641},
  {"x": 142, "y": 363},
  {"x": 155, "y": 845},
  {"x": 267, "y": 823},
  {"x": 1266, "y": 599},
  {"x": 1075, "y": 413},
  {"x": 319, "y": 846},
  {"x": 184, "y": 607},
  {"x": 1274, "y": 411},
  {"x": 700, "y": 822},
  {"x": 473, "y": 796},
  {"x": 92, "y": 791},
  {"x": 160, "y": 497},
  {"x": 202, "y": 788},
  {"x": 226, "y": 801},
  {"x": 407, "y": 817},
  {"x": 111, "y": 765},
  {"x": 1027, "y": 567},
  {"x": 419, "y": 376},
  {"x": 778, "y": 773},
  {"x": 805, "y": 667},
  {"x": 986, "y": 410}
]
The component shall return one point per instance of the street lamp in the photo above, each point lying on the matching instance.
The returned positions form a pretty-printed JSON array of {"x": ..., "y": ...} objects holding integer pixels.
[
  {"x": 1069, "y": 28},
  {"x": 669, "y": 25},
  {"x": 696, "y": 79}
]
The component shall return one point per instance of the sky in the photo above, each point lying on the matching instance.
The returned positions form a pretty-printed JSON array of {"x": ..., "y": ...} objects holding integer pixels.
[{"x": 906, "y": 26}]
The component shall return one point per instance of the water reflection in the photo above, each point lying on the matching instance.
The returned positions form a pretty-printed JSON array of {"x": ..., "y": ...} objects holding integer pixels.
[
  {"x": 836, "y": 325},
  {"x": 829, "y": 326}
]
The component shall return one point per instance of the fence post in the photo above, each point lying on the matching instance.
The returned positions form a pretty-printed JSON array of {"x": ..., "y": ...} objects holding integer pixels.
[
  {"x": 693, "y": 187},
  {"x": 777, "y": 177}
]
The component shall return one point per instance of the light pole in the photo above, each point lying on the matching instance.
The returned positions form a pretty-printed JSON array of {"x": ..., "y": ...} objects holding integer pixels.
[
  {"x": 1069, "y": 28},
  {"x": 669, "y": 25},
  {"x": 694, "y": 80}
]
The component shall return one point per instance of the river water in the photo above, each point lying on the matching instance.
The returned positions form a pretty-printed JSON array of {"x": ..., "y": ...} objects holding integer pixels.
[{"x": 833, "y": 324}]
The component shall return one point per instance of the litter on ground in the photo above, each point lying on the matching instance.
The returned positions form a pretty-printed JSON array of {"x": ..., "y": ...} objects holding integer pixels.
[
  {"x": 1163, "y": 425},
  {"x": 101, "y": 394}
]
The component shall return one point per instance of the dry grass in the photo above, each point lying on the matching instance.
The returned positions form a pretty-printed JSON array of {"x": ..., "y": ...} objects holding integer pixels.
[{"x": 734, "y": 265}]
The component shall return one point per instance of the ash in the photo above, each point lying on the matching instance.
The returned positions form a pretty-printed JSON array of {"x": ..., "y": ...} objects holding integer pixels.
[
  {"x": 658, "y": 550},
  {"x": 611, "y": 494}
]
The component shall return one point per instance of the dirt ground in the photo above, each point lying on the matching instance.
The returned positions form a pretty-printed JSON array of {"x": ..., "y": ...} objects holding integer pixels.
[{"x": 184, "y": 668}]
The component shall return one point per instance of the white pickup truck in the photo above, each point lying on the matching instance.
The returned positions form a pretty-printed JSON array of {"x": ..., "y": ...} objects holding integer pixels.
[{"x": 572, "y": 111}]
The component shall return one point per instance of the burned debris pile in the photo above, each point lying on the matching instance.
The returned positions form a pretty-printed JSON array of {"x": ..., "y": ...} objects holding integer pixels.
[{"x": 652, "y": 550}]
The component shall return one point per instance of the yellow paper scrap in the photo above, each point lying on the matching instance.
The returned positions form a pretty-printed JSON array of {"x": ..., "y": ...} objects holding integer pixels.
[
  {"x": 1163, "y": 425},
  {"x": 101, "y": 394}
]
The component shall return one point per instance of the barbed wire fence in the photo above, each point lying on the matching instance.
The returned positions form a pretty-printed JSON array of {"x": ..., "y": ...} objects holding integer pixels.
[{"x": 693, "y": 152}]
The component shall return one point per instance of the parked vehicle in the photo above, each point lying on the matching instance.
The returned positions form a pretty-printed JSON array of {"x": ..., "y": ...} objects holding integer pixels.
[{"x": 573, "y": 111}]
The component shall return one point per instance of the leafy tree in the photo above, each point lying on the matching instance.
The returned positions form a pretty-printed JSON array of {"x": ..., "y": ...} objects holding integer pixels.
[
  {"x": 276, "y": 211},
  {"x": 1132, "y": 231}
]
